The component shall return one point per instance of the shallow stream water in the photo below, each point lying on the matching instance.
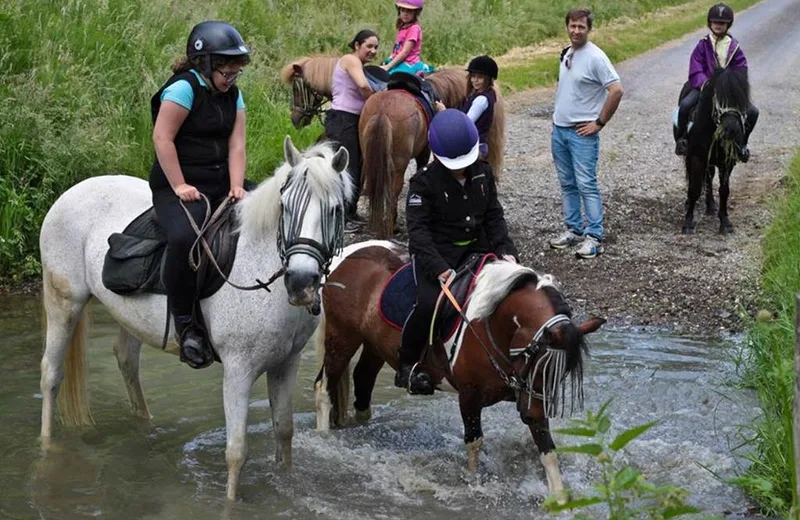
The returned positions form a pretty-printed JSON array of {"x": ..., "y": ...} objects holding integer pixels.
[{"x": 408, "y": 462}]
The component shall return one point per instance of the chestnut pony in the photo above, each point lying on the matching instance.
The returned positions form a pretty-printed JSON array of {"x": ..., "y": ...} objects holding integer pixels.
[
  {"x": 520, "y": 345},
  {"x": 393, "y": 129}
]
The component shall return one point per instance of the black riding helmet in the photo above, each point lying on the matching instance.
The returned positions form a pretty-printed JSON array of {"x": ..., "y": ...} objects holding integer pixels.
[
  {"x": 483, "y": 65},
  {"x": 214, "y": 38},
  {"x": 721, "y": 13}
]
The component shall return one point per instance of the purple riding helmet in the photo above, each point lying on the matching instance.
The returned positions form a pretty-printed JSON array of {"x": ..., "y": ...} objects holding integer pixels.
[
  {"x": 453, "y": 139},
  {"x": 410, "y": 4}
]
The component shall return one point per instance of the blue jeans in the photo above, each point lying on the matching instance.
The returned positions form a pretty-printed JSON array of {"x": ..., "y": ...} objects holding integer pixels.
[{"x": 575, "y": 158}]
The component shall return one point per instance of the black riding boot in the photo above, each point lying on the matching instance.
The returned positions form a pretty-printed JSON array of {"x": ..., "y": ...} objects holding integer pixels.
[
  {"x": 681, "y": 141},
  {"x": 194, "y": 351},
  {"x": 411, "y": 376},
  {"x": 684, "y": 112}
]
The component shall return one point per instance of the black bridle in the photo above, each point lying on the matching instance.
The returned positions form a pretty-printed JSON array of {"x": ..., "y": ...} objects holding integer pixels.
[{"x": 332, "y": 221}]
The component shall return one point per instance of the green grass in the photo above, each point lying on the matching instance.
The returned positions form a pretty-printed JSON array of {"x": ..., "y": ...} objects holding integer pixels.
[
  {"x": 768, "y": 362},
  {"x": 76, "y": 77}
]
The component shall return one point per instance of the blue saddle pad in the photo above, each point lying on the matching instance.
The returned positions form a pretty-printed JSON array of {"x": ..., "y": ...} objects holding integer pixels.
[{"x": 398, "y": 297}]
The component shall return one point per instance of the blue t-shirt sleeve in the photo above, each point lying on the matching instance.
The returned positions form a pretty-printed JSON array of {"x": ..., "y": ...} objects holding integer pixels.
[
  {"x": 240, "y": 102},
  {"x": 180, "y": 93}
]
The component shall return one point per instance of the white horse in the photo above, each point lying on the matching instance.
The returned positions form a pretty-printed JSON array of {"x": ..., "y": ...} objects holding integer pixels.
[{"x": 253, "y": 332}]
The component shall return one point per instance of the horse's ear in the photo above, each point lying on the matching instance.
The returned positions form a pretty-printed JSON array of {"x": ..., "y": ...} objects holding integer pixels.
[
  {"x": 340, "y": 159},
  {"x": 290, "y": 153},
  {"x": 298, "y": 70},
  {"x": 591, "y": 325}
]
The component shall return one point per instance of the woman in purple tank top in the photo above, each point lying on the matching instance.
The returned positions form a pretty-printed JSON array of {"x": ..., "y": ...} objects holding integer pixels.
[{"x": 350, "y": 90}]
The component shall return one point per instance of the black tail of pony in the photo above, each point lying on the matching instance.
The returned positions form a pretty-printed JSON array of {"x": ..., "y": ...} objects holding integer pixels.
[{"x": 378, "y": 170}]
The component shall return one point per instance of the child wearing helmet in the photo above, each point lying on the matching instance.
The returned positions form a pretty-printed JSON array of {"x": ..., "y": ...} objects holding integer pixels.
[
  {"x": 716, "y": 50},
  {"x": 481, "y": 98},
  {"x": 408, "y": 42},
  {"x": 199, "y": 138},
  {"x": 452, "y": 211}
]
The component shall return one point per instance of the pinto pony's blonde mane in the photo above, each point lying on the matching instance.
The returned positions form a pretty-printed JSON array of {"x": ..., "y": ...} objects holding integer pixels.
[
  {"x": 317, "y": 72},
  {"x": 496, "y": 281},
  {"x": 259, "y": 212}
]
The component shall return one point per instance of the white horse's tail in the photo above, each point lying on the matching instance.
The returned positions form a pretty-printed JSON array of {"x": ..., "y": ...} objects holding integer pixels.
[
  {"x": 73, "y": 398},
  {"x": 322, "y": 398}
]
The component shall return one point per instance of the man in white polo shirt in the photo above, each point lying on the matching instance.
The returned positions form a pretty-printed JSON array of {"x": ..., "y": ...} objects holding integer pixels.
[{"x": 588, "y": 94}]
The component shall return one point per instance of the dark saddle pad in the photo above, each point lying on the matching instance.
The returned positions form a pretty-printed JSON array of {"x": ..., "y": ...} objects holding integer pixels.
[
  {"x": 423, "y": 91},
  {"x": 135, "y": 257},
  {"x": 377, "y": 78},
  {"x": 400, "y": 293}
]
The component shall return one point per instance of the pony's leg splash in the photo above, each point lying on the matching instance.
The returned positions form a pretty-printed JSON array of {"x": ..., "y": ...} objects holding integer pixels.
[
  {"x": 469, "y": 401},
  {"x": 332, "y": 388},
  {"x": 364, "y": 376},
  {"x": 66, "y": 331},
  {"x": 236, "y": 384},
  {"x": 725, "y": 225},
  {"x": 544, "y": 442},
  {"x": 127, "y": 349},
  {"x": 280, "y": 385}
]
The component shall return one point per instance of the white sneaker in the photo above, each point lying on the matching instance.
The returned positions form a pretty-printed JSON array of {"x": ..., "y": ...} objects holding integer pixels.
[
  {"x": 565, "y": 239},
  {"x": 590, "y": 248}
]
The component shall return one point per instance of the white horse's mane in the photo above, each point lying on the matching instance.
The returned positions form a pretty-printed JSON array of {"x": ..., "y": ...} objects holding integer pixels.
[
  {"x": 494, "y": 284},
  {"x": 259, "y": 212}
]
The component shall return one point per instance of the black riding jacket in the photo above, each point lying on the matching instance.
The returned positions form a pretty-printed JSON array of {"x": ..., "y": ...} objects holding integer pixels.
[
  {"x": 202, "y": 140},
  {"x": 447, "y": 221}
]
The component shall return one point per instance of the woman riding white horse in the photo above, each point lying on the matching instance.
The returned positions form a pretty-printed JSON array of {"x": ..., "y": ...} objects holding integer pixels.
[{"x": 253, "y": 332}]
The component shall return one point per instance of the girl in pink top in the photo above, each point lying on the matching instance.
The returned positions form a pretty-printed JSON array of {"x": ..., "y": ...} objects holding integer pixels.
[{"x": 408, "y": 43}]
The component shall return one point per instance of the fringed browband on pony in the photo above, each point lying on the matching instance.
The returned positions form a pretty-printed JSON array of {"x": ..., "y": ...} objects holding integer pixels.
[
  {"x": 516, "y": 342},
  {"x": 715, "y": 141},
  {"x": 393, "y": 129},
  {"x": 311, "y": 81}
]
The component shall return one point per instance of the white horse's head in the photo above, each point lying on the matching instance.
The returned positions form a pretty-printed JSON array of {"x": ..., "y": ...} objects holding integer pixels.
[
  {"x": 312, "y": 219},
  {"x": 313, "y": 187}
]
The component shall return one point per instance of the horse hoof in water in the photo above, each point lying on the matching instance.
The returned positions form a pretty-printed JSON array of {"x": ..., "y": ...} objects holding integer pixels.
[{"x": 687, "y": 230}]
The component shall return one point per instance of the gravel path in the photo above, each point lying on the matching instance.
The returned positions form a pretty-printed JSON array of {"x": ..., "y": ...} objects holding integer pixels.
[{"x": 651, "y": 275}]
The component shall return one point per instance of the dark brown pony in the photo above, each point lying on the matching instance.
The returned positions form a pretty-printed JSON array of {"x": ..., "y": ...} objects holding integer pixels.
[
  {"x": 718, "y": 132},
  {"x": 393, "y": 129},
  {"x": 520, "y": 346}
]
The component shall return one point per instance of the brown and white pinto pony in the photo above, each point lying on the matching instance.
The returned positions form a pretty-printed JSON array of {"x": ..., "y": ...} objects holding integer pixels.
[
  {"x": 393, "y": 129},
  {"x": 520, "y": 346}
]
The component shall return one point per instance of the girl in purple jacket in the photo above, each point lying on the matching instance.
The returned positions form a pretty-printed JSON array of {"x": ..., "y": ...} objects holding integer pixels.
[{"x": 716, "y": 50}]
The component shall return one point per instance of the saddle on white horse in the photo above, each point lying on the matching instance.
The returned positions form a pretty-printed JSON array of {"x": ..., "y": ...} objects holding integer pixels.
[{"x": 135, "y": 257}]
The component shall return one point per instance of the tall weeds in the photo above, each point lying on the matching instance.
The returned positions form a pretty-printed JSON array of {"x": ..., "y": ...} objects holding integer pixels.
[
  {"x": 768, "y": 361},
  {"x": 76, "y": 77}
]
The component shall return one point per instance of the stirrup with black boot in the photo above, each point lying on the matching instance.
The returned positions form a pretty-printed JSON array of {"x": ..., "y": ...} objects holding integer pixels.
[
  {"x": 681, "y": 141},
  {"x": 682, "y": 146},
  {"x": 411, "y": 377},
  {"x": 193, "y": 347}
]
